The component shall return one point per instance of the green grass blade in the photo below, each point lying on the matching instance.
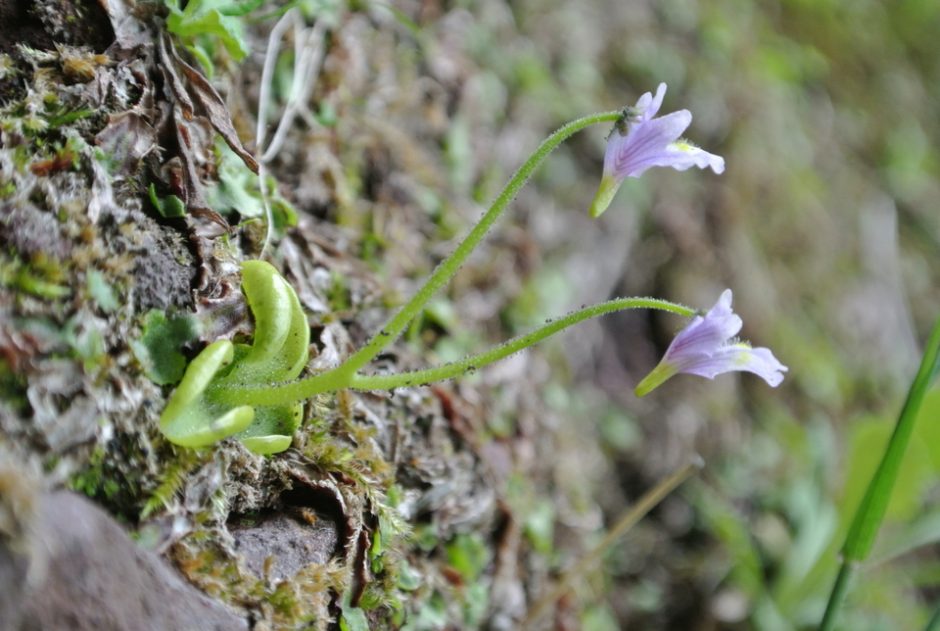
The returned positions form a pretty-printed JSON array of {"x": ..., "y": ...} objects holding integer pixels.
[
  {"x": 871, "y": 511},
  {"x": 934, "y": 624}
]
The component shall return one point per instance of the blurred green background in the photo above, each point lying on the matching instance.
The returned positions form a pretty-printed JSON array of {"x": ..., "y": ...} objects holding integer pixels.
[{"x": 825, "y": 225}]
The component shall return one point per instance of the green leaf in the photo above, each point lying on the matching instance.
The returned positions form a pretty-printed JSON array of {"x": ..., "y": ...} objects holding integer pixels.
[
  {"x": 282, "y": 334},
  {"x": 200, "y": 19},
  {"x": 866, "y": 445},
  {"x": 928, "y": 425},
  {"x": 238, "y": 191},
  {"x": 191, "y": 421},
  {"x": 353, "y": 619},
  {"x": 469, "y": 555},
  {"x": 408, "y": 578},
  {"x": 158, "y": 349},
  {"x": 169, "y": 207},
  {"x": 266, "y": 445},
  {"x": 539, "y": 527},
  {"x": 101, "y": 292},
  {"x": 237, "y": 188},
  {"x": 272, "y": 428},
  {"x": 874, "y": 504},
  {"x": 936, "y": 370},
  {"x": 240, "y": 8}
]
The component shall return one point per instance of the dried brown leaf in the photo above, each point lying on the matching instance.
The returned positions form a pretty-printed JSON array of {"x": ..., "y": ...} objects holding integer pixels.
[
  {"x": 211, "y": 103},
  {"x": 126, "y": 139},
  {"x": 176, "y": 85}
]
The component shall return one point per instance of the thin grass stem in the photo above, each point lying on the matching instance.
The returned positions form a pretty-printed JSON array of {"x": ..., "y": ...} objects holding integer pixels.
[{"x": 871, "y": 512}]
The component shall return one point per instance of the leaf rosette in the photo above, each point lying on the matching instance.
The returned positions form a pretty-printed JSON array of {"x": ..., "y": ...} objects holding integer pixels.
[{"x": 195, "y": 415}]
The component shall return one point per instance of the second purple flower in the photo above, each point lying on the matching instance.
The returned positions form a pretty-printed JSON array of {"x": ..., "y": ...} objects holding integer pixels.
[{"x": 707, "y": 347}]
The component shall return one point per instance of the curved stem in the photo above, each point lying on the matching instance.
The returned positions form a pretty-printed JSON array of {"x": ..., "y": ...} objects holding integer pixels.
[
  {"x": 344, "y": 374},
  {"x": 469, "y": 364},
  {"x": 282, "y": 394},
  {"x": 443, "y": 273}
]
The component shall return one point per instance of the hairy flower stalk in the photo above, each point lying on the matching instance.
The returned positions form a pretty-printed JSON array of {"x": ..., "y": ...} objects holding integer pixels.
[
  {"x": 639, "y": 141},
  {"x": 707, "y": 347}
]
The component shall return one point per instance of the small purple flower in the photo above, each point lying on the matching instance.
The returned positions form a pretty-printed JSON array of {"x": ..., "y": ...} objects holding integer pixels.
[
  {"x": 640, "y": 141},
  {"x": 707, "y": 347}
]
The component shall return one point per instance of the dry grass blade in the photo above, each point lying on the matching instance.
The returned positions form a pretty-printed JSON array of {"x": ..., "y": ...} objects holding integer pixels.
[
  {"x": 626, "y": 521},
  {"x": 308, "y": 52}
]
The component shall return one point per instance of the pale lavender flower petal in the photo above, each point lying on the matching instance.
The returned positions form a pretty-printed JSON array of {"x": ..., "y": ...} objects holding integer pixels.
[
  {"x": 640, "y": 141},
  {"x": 705, "y": 333},
  {"x": 684, "y": 155},
  {"x": 646, "y": 144},
  {"x": 706, "y": 347},
  {"x": 739, "y": 357},
  {"x": 648, "y": 106}
]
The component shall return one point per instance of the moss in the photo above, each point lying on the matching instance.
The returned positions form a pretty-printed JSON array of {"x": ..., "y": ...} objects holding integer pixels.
[
  {"x": 94, "y": 480},
  {"x": 172, "y": 479},
  {"x": 302, "y": 602}
]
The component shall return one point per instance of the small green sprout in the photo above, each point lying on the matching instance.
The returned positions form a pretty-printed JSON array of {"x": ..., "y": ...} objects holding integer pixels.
[
  {"x": 169, "y": 207},
  {"x": 239, "y": 190},
  {"x": 101, "y": 291}
]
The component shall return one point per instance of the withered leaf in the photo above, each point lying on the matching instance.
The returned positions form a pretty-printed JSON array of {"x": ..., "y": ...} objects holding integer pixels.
[
  {"x": 210, "y": 102},
  {"x": 126, "y": 139},
  {"x": 167, "y": 65},
  {"x": 129, "y": 32},
  {"x": 187, "y": 136}
]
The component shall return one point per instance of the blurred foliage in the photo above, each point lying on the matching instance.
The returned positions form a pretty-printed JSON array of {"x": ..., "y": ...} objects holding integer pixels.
[{"x": 825, "y": 225}]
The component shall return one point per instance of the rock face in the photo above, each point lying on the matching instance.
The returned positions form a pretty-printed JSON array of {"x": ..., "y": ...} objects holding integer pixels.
[{"x": 80, "y": 570}]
